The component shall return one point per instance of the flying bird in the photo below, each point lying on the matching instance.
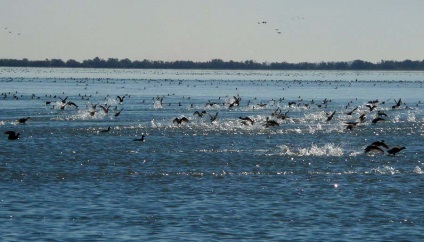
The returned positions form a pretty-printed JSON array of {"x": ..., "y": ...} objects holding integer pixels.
[{"x": 12, "y": 135}]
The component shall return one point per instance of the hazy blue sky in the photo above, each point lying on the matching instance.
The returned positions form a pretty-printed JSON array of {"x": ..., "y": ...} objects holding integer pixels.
[{"x": 201, "y": 30}]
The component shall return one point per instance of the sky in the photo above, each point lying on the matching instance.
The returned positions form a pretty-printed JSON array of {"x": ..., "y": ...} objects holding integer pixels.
[{"x": 201, "y": 30}]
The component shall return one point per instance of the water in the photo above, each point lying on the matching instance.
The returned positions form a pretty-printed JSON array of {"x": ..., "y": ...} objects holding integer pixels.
[{"x": 307, "y": 179}]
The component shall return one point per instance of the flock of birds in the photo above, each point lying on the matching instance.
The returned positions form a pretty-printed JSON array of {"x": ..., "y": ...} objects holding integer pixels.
[{"x": 275, "y": 118}]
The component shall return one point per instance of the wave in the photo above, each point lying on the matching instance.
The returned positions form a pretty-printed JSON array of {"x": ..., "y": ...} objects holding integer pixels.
[{"x": 314, "y": 150}]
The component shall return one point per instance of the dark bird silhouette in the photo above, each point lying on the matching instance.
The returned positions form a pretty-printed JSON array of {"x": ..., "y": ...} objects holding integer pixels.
[
  {"x": 92, "y": 113},
  {"x": 398, "y": 103},
  {"x": 380, "y": 143},
  {"x": 378, "y": 119},
  {"x": 63, "y": 100},
  {"x": 270, "y": 123},
  {"x": 371, "y": 107},
  {"x": 121, "y": 99},
  {"x": 141, "y": 139},
  {"x": 330, "y": 117},
  {"x": 118, "y": 113},
  {"x": 105, "y": 109},
  {"x": 23, "y": 120},
  {"x": 106, "y": 130},
  {"x": 12, "y": 135},
  {"x": 373, "y": 148},
  {"x": 381, "y": 113},
  {"x": 200, "y": 114},
  {"x": 246, "y": 120},
  {"x": 72, "y": 104},
  {"x": 351, "y": 125},
  {"x": 179, "y": 121},
  {"x": 395, "y": 150},
  {"x": 351, "y": 112},
  {"x": 362, "y": 118},
  {"x": 235, "y": 102},
  {"x": 213, "y": 118}
]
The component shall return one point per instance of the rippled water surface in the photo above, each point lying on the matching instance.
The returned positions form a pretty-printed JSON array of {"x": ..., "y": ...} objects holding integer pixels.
[{"x": 306, "y": 179}]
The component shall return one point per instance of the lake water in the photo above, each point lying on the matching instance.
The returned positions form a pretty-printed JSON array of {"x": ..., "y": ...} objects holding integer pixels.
[{"x": 307, "y": 179}]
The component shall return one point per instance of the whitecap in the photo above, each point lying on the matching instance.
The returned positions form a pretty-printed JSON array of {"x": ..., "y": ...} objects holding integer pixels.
[{"x": 418, "y": 170}]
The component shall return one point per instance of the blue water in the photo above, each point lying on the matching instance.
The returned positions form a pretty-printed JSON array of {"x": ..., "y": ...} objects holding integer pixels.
[{"x": 307, "y": 179}]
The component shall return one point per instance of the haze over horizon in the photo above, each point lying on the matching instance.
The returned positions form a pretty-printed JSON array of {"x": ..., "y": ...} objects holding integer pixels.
[{"x": 201, "y": 30}]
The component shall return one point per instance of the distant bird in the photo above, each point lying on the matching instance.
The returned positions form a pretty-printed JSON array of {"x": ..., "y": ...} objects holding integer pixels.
[
  {"x": 351, "y": 112},
  {"x": 106, "y": 130},
  {"x": 373, "y": 148},
  {"x": 213, "y": 118},
  {"x": 378, "y": 119},
  {"x": 351, "y": 125},
  {"x": 200, "y": 114},
  {"x": 380, "y": 143},
  {"x": 371, "y": 107},
  {"x": 141, "y": 139},
  {"x": 398, "y": 103},
  {"x": 246, "y": 120},
  {"x": 330, "y": 116},
  {"x": 270, "y": 123},
  {"x": 63, "y": 100},
  {"x": 179, "y": 121},
  {"x": 12, "y": 135},
  {"x": 381, "y": 113},
  {"x": 362, "y": 117},
  {"x": 72, "y": 104},
  {"x": 23, "y": 120},
  {"x": 395, "y": 150},
  {"x": 121, "y": 99},
  {"x": 92, "y": 113},
  {"x": 105, "y": 109},
  {"x": 118, "y": 113}
]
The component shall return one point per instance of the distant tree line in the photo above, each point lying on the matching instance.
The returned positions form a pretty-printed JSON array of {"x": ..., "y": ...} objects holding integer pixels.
[{"x": 216, "y": 64}]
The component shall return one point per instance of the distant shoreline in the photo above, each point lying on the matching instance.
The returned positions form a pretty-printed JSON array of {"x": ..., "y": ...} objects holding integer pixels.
[{"x": 216, "y": 64}]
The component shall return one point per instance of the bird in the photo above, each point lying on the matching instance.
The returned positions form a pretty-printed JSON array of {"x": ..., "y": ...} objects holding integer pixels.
[
  {"x": 12, "y": 135},
  {"x": 141, "y": 139},
  {"x": 351, "y": 125},
  {"x": 118, "y": 113},
  {"x": 121, "y": 99},
  {"x": 270, "y": 123},
  {"x": 63, "y": 100},
  {"x": 105, "y": 109},
  {"x": 72, "y": 104},
  {"x": 373, "y": 148},
  {"x": 246, "y": 120},
  {"x": 213, "y": 118},
  {"x": 23, "y": 120},
  {"x": 371, "y": 107},
  {"x": 362, "y": 117},
  {"x": 378, "y": 119},
  {"x": 330, "y": 116},
  {"x": 398, "y": 103},
  {"x": 199, "y": 114},
  {"x": 351, "y": 112},
  {"x": 106, "y": 130},
  {"x": 380, "y": 143},
  {"x": 179, "y": 121},
  {"x": 395, "y": 150}
]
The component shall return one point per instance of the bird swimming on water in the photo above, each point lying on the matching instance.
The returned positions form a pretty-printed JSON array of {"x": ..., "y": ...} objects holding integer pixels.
[
  {"x": 395, "y": 150},
  {"x": 12, "y": 135},
  {"x": 141, "y": 139},
  {"x": 106, "y": 130},
  {"x": 373, "y": 148},
  {"x": 380, "y": 143},
  {"x": 23, "y": 120}
]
